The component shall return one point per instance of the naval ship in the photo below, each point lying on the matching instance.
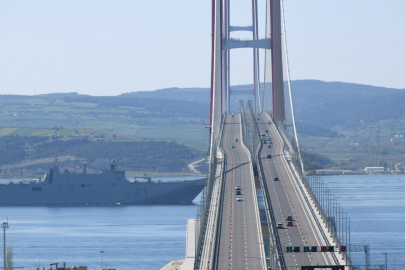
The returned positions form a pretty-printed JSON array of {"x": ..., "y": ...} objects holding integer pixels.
[{"x": 109, "y": 187}]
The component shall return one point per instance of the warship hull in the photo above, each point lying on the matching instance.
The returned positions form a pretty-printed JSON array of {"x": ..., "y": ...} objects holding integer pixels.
[{"x": 110, "y": 187}]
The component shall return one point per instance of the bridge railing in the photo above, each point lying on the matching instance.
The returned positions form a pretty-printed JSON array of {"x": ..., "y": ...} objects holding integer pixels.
[
  {"x": 275, "y": 249},
  {"x": 242, "y": 118},
  {"x": 218, "y": 230},
  {"x": 203, "y": 211},
  {"x": 256, "y": 141}
]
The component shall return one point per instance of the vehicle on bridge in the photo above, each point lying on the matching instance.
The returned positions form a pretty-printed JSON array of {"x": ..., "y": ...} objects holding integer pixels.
[
  {"x": 269, "y": 145},
  {"x": 236, "y": 140},
  {"x": 237, "y": 187},
  {"x": 280, "y": 226},
  {"x": 238, "y": 192},
  {"x": 290, "y": 223},
  {"x": 289, "y": 218},
  {"x": 238, "y": 198},
  {"x": 268, "y": 156},
  {"x": 275, "y": 178},
  {"x": 232, "y": 146}
]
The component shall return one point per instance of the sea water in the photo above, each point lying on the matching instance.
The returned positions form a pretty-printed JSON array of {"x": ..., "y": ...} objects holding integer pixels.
[
  {"x": 375, "y": 205},
  {"x": 131, "y": 236},
  {"x": 149, "y": 236}
]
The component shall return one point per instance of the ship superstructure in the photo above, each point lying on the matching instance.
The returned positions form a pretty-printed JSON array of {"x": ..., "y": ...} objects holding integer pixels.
[{"x": 109, "y": 187}]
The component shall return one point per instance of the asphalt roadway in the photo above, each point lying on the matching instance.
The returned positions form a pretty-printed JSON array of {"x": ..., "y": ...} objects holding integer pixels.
[
  {"x": 239, "y": 244},
  {"x": 286, "y": 201}
]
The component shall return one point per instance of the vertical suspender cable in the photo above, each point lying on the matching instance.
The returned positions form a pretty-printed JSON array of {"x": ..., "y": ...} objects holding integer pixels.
[
  {"x": 265, "y": 99},
  {"x": 289, "y": 87}
]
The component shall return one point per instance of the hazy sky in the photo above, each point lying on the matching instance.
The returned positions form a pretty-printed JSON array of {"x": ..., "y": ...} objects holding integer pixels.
[{"x": 107, "y": 47}]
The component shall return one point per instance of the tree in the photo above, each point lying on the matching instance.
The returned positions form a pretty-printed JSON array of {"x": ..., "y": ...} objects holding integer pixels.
[
  {"x": 382, "y": 163},
  {"x": 9, "y": 258}
]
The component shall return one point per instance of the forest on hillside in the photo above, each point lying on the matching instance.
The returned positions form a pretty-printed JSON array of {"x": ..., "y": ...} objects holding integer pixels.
[
  {"x": 148, "y": 156},
  {"x": 160, "y": 107},
  {"x": 352, "y": 112}
]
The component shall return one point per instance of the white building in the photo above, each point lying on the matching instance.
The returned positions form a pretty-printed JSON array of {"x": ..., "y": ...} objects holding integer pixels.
[
  {"x": 372, "y": 170},
  {"x": 329, "y": 172}
]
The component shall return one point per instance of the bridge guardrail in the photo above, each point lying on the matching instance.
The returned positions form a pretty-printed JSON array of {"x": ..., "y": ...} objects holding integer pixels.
[
  {"x": 219, "y": 219},
  {"x": 277, "y": 256},
  {"x": 270, "y": 216},
  {"x": 204, "y": 208},
  {"x": 263, "y": 252}
]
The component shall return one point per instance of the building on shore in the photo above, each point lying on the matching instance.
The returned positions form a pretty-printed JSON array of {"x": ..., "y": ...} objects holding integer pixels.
[
  {"x": 329, "y": 172},
  {"x": 374, "y": 170}
]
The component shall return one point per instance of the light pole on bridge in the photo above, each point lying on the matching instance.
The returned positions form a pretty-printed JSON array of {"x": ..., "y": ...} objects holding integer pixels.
[
  {"x": 4, "y": 226},
  {"x": 102, "y": 263},
  {"x": 385, "y": 253}
]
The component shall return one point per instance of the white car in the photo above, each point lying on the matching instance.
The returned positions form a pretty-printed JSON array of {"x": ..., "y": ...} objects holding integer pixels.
[
  {"x": 237, "y": 187},
  {"x": 280, "y": 226},
  {"x": 238, "y": 198}
]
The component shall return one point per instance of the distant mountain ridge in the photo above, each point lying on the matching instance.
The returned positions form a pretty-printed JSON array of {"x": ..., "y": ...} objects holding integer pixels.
[
  {"x": 316, "y": 103},
  {"x": 306, "y": 93},
  {"x": 319, "y": 106}
]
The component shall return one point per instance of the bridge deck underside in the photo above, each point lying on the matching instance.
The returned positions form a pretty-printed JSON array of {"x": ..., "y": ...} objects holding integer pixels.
[
  {"x": 286, "y": 201},
  {"x": 239, "y": 246}
]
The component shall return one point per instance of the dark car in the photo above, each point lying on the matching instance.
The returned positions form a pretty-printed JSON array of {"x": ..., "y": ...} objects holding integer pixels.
[
  {"x": 275, "y": 178},
  {"x": 289, "y": 218},
  {"x": 238, "y": 192},
  {"x": 268, "y": 156},
  {"x": 289, "y": 223}
]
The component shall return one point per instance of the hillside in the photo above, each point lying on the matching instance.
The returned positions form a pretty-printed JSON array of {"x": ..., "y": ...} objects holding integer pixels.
[
  {"x": 315, "y": 102},
  {"x": 141, "y": 156},
  {"x": 352, "y": 112},
  {"x": 344, "y": 121},
  {"x": 130, "y": 116},
  {"x": 306, "y": 93}
]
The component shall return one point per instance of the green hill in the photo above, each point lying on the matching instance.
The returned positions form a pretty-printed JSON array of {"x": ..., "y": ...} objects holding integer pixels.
[
  {"x": 352, "y": 112},
  {"x": 18, "y": 152}
]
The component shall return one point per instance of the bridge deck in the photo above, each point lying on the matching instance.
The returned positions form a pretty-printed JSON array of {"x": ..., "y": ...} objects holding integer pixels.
[
  {"x": 240, "y": 239},
  {"x": 286, "y": 201}
]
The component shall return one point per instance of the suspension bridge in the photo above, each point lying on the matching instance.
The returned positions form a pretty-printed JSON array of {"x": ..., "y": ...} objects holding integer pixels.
[{"x": 259, "y": 210}]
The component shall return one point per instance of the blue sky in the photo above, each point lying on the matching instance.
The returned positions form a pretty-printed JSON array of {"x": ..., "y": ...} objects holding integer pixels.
[{"x": 107, "y": 47}]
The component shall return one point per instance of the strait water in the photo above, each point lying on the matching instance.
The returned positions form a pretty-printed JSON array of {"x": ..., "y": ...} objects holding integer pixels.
[
  {"x": 148, "y": 237},
  {"x": 376, "y": 207}
]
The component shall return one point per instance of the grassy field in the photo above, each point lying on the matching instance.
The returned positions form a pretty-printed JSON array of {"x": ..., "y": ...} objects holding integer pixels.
[{"x": 33, "y": 116}]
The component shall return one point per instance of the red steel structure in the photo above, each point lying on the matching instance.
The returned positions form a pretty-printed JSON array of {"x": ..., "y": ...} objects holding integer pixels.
[
  {"x": 220, "y": 59},
  {"x": 277, "y": 62}
]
